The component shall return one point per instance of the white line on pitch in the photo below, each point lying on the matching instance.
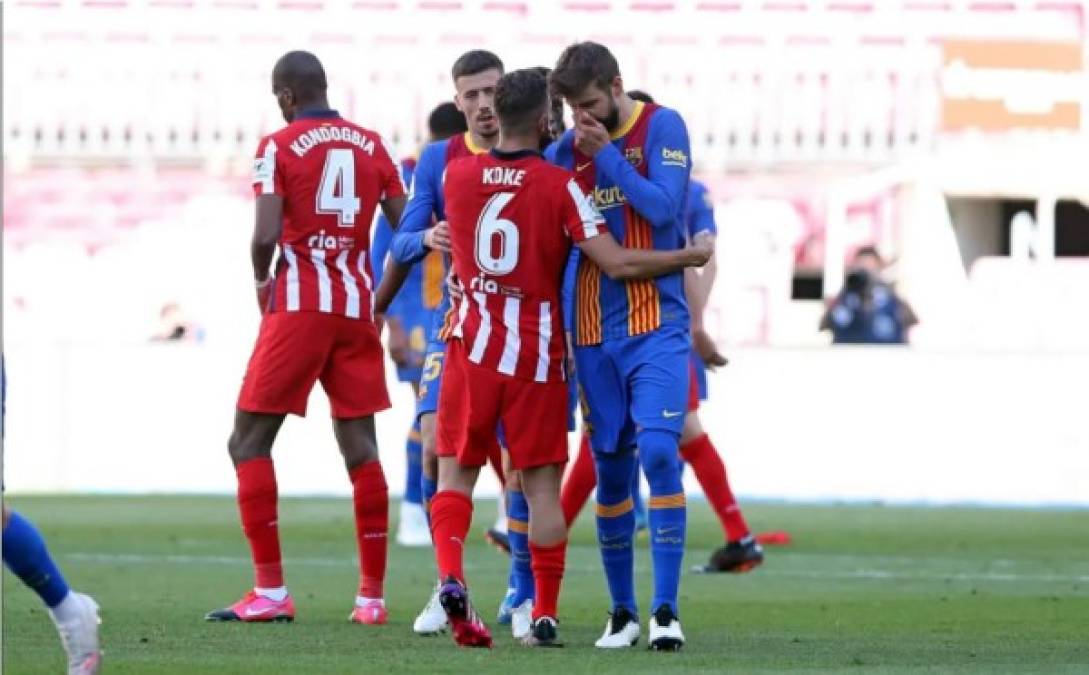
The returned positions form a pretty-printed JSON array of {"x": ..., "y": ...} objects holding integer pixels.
[{"x": 861, "y": 574}]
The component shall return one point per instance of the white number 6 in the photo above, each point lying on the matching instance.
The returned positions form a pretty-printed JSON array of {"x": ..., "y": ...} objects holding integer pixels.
[{"x": 488, "y": 227}]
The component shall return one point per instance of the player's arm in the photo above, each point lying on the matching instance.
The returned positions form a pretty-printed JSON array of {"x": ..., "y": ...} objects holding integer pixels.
[
  {"x": 697, "y": 290},
  {"x": 621, "y": 263},
  {"x": 660, "y": 196},
  {"x": 415, "y": 236},
  {"x": 586, "y": 228},
  {"x": 267, "y": 229},
  {"x": 268, "y": 188}
]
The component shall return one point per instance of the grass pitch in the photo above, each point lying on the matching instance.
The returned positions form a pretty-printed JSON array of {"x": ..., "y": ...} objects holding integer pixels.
[{"x": 862, "y": 589}]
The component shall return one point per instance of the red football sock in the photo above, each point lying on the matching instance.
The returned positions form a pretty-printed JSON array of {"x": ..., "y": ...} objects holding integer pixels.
[
  {"x": 370, "y": 497},
  {"x": 257, "y": 506},
  {"x": 451, "y": 515},
  {"x": 547, "y": 563},
  {"x": 711, "y": 474},
  {"x": 579, "y": 484}
]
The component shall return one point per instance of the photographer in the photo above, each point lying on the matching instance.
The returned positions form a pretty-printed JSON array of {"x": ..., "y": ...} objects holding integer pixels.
[{"x": 868, "y": 310}]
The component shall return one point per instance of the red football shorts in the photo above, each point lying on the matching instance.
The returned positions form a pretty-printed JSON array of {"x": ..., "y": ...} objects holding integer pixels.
[
  {"x": 693, "y": 388},
  {"x": 474, "y": 400},
  {"x": 296, "y": 349}
]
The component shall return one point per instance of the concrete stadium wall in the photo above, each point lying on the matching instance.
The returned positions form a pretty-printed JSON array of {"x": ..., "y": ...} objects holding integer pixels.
[{"x": 889, "y": 425}]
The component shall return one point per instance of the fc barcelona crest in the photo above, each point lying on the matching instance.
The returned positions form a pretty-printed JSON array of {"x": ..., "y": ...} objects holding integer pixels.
[{"x": 634, "y": 156}]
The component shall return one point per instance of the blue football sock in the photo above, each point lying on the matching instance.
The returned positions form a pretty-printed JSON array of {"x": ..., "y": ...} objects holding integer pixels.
[
  {"x": 666, "y": 516},
  {"x": 26, "y": 556},
  {"x": 637, "y": 496},
  {"x": 616, "y": 526},
  {"x": 428, "y": 488},
  {"x": 414, "y": 473},
  {"x": 521, "y": 570}
]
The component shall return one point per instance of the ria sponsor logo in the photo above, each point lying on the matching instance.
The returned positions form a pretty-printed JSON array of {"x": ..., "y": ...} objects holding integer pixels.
[
  {"x": 482, "y": 284},
  {"x": 328, "y": 242}
]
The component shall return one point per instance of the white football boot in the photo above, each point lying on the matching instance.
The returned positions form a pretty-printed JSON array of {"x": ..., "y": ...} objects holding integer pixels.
[
  {"x": 521, "y": 620},
  {"x": 665, "y": 631},
  {"x": 432, "y": 618},
  {"x": 621, "y": 631},
  {"x": 76, "y": 618}
]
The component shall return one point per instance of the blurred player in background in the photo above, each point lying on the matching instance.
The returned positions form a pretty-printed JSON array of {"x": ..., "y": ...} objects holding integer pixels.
[
  {"x": 512, "y": 220},
  {"x": 423, "y": 229},
  {"x": 74, "y": 614},
  {"x": 632, "y": 340},
  {"x": 409, "y": 320},
  {"x": 318, "y": 182}
]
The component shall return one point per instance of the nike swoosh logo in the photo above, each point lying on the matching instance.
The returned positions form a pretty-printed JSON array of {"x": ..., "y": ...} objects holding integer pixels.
[
  {"x": 581, "y": 167},
  {"x": 257, "y": 612},
  {"x": 670, "y": 415}
]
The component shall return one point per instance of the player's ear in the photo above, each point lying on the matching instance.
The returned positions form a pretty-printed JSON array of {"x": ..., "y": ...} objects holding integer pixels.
[{"x": 618, "y": 87}]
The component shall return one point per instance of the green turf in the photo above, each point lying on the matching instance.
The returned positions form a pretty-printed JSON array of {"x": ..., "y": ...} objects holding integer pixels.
[{"x": 862, "y": 589}]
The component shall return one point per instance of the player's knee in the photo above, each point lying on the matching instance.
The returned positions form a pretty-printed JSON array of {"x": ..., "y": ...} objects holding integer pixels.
[{"x": 658, "y": 453}]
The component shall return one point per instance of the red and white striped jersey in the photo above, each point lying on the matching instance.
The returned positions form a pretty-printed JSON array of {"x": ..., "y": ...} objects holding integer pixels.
[
  {"x": 513, "y": 218},
  {"x": 332, "y": 174}
]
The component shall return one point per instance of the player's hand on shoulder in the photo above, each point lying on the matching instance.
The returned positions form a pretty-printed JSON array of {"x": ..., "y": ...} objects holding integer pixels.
[
  {"x": 437, "y": 237},
  {"x": 707, "y": 350},
  {"x": 590, "y": 135}
]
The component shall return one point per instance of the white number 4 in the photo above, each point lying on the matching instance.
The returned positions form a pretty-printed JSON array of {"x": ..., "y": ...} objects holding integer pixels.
[
  {"x": 487, "y": 228},
  {"x": 338, "y": 176}
]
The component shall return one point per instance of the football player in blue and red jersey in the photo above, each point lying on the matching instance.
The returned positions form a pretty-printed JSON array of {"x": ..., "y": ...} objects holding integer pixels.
[{"x": 632, "y": 339}]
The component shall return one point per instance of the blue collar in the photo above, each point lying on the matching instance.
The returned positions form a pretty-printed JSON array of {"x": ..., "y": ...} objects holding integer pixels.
[{"x": 316, "y": 113}]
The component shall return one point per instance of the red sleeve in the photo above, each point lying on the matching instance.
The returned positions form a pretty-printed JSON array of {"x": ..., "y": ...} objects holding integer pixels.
[
  {"x": 393, "y": 183},
  {"x": 268, "y": 178},
  {"x": 581, "y": 218}
]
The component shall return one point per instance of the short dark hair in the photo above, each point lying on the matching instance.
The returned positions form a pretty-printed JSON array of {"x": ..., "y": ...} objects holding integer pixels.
[
  {"x": 302, "y": 73},
  {"x": 446, "y": 121},
  {"x": 869, "y": 250},
  {"x": 583, "y": 64},
  {"x": 475, "y": 61},
  {"x": 520, "y": 98},
  {"x": 640, "y": 95}
]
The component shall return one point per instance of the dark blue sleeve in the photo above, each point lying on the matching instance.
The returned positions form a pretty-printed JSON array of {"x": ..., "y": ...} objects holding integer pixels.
[
  {"x": 700, "y": 216},
  {"x": 408, "y": 240},
  {"x": 660, "y": 197},
  {"x": 567, "y": 292},
  {"x": 383, "y": 236}
]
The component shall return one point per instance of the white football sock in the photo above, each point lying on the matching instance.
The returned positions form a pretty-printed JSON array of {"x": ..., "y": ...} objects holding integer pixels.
[{"x": 278, "y": 594}]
